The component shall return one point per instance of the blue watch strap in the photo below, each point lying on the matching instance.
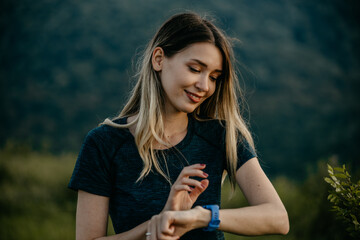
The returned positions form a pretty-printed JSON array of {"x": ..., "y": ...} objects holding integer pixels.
[{"x": 215, "y": 221}]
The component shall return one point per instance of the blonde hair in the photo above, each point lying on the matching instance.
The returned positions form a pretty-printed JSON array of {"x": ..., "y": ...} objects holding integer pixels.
[{"x": 147, "y": 97}]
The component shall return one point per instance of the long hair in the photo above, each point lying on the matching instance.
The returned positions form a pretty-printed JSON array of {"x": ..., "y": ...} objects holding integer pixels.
[{"x": 147, "y": 97}]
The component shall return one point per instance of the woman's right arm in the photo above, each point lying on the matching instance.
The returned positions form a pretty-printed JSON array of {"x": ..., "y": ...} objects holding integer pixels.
[
  {"x": 92, "y": 217},
  {"x": 92, "y": 210}
]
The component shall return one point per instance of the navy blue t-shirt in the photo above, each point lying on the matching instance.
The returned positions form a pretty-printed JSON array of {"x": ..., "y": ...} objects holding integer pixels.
[{"x": 109, "y": 165}]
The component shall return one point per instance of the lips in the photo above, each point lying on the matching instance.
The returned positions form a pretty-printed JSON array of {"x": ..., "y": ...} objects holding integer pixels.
[{"x": 193, "y": 97}]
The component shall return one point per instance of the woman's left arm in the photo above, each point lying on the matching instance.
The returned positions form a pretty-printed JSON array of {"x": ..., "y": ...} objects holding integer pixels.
[{"x": 266, "y": 213}]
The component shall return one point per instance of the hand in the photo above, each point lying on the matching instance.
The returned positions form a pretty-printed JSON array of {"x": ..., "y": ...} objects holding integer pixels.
[
  {"x": 186, "y": 190},
  {"x": 171, "y": 225}
]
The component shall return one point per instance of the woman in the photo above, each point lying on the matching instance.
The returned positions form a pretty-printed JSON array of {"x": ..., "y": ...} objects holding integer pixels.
[{"x": 157, "y": 168}]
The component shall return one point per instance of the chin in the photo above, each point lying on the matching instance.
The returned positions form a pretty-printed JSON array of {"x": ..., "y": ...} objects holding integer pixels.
[{"x": 187, "y": 110}]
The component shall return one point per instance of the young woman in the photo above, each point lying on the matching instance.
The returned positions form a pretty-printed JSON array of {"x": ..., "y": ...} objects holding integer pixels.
[{"x": 157, "y": 168}]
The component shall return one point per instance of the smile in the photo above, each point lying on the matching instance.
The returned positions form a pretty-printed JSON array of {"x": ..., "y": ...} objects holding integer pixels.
[{"x": 193, "y": 97}]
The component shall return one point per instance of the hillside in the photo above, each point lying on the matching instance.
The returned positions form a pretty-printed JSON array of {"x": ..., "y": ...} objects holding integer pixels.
[{"x": 67, "y": 65}]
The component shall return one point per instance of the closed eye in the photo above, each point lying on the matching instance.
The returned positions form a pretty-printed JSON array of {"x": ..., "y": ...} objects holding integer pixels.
[
  {"x": 214, "y": 78},
  {"x": 194, "y": 70}
]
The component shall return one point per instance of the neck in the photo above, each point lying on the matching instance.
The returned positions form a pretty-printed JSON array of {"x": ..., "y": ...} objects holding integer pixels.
[
  {"x": 175, "y": 129},
  {"x": 175, "y": 124}
]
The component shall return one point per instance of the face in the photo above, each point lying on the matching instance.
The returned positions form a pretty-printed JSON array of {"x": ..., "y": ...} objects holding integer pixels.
[{"x": 189, "y": 77}]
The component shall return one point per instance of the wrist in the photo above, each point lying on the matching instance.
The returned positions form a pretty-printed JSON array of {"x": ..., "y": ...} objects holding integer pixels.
[
  {"x": 169, "y": 206},
  {"x": 215, "y": 218},
  {"x": 166, "y": 208},
  {"x": 203, "y": 217}
]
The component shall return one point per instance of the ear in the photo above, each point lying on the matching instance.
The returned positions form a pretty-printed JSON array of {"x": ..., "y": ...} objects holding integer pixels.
[{"x": 157, "y": 58}]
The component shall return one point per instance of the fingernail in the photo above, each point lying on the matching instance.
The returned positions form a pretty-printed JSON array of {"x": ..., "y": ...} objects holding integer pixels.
[
  {"x": 202, "y": 164},
  {"x": 203, "y": 186},
  {"x": 205, "y": 174}
]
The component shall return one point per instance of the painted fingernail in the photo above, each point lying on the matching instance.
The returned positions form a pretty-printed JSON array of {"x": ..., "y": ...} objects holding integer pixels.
[
  {"x": 205, "y": 174},
  {"x": 202, "y": 164},
  {"x": 203, "y": 186}
]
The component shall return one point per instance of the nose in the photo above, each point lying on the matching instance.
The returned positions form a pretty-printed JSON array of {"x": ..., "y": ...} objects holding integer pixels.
[{"x": 202, "y": 84}]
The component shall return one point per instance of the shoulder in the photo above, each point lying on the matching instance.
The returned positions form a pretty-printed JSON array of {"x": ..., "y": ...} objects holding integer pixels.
[{"x": 107, "y": 136}]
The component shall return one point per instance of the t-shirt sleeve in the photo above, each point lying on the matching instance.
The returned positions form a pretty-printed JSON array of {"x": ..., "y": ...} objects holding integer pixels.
[
  {"x": 245, "y": 153},
  {"x": 92, "y": 169}
]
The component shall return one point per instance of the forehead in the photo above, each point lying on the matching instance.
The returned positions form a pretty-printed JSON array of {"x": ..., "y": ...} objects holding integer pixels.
[{"x": 204, "y": 52}]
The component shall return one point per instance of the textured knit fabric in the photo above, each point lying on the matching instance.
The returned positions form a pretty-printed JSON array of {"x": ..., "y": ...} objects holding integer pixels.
[{"x": 109, "y": 165}]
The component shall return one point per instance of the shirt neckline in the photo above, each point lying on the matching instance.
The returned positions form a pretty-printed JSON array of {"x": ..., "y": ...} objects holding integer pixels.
[{"x": 180, "y": 145}]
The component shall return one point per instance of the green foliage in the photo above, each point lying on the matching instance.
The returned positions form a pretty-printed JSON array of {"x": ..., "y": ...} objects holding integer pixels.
[{"x": 345, "y": 197}]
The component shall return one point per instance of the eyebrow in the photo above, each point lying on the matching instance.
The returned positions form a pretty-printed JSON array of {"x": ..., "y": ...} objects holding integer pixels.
[{"x": 205, "y": 65}]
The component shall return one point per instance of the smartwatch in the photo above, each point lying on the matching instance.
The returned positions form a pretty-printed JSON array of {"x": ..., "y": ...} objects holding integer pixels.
[{"x": 215, "y": 221}]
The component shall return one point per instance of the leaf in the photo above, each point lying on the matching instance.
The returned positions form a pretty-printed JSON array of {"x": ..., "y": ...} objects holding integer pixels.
[
  {"x": 330, "y": 169},
  {"x": 328, "y": 180},
  {"x": 338, "y": 169},
  {"x": 340, "y": 175},
  {"x": 335, "y": 179},
  {"x": 333, "y": 197},
  {"x": 355, "y": 221}
]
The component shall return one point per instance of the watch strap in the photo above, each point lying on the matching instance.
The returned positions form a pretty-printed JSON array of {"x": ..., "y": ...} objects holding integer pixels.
[{"x": 215, "y": 221}]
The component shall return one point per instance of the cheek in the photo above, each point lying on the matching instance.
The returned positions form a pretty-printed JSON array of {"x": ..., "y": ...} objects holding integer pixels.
[{"x": 212, "y": 88}]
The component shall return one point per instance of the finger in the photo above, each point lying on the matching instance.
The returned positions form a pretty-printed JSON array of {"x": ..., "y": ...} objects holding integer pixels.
[
  {"x": 166, "y": 229},
  {"x": 163, "y": 232},
  {"x": 191, "y": 182},
  {"x": 191, "y": 172},
  {"x": 161, "y": 228},
  {"x": 158, "y": 231},
  {"x": 197, "y": 191},
  {"x": 198, "y": 166},
  {"x": 195, "y": 166},
  {"x": 153, "y": 230},
  {"x": 178, "y": 188},
  {"x": 205, "y": 183},
  {"x": 148, "y": 231}
]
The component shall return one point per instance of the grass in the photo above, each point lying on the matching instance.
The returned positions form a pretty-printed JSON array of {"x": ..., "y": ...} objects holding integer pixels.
[{"x": 35, "y": 202}]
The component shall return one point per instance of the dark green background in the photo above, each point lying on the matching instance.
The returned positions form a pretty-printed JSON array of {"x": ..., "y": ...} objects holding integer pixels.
[{"x": 66, "y": 65}]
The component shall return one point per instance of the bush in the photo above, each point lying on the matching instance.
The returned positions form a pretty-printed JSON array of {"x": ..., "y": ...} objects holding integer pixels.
[{"x": 345, "y": 197}]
